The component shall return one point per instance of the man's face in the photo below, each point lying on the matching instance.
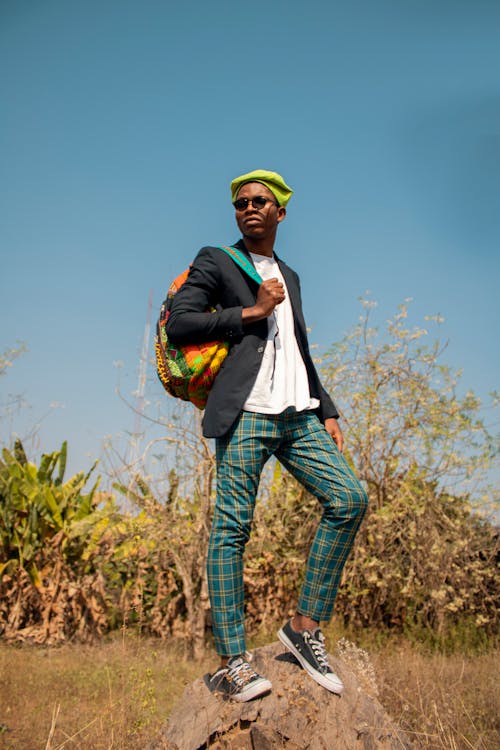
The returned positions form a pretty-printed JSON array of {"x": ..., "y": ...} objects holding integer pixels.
[{"x": 258, "y": 223}]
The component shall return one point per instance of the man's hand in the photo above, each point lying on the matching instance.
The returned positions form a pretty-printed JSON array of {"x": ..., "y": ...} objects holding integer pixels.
[
  {"x": 333, "y": 429},
  {"x": 271, "y": 293}
]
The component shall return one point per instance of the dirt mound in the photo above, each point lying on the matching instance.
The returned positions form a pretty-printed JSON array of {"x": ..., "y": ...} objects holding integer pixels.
[{"x": 297, "y": 715}]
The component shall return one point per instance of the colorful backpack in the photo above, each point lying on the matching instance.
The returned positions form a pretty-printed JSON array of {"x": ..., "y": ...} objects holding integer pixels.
[{"x": 188, "y": 371}]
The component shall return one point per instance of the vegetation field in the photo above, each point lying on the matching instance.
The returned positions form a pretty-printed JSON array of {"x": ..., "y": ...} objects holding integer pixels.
[
  {"x": 117, "y": 694},
  {"x": 104, "y": 605}
]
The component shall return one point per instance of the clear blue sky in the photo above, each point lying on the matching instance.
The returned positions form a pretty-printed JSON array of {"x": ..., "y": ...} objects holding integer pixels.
[{"x": 123, "y": 123}]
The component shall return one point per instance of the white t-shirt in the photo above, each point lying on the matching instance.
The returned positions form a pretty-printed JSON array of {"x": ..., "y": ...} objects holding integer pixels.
[{"x": 282, "y": 379}]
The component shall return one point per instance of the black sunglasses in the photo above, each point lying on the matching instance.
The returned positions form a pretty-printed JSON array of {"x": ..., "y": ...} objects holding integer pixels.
[{"x": 258, "y": 202}]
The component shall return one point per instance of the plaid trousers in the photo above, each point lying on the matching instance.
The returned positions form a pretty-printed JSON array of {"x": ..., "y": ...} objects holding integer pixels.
[{"x": 301, "y": 443}]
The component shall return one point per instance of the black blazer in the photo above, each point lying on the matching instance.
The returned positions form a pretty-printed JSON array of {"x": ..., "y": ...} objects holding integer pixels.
[{"x": 216, "y": 281}]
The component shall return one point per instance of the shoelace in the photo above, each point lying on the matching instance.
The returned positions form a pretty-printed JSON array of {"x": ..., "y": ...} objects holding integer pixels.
[
  {"x": 318, "y": 648},
  {"x": 240, "y": 673}
]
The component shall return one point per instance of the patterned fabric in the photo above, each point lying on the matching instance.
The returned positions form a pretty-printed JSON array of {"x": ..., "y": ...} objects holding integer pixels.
[
  {"x": 243, "y": 262},
  {"x": 188, "y": 371},
  {"x": 303, "y": 446}
]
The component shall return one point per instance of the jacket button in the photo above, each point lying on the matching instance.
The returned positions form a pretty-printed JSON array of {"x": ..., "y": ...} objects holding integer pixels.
[{"x": 260, "y": 349}]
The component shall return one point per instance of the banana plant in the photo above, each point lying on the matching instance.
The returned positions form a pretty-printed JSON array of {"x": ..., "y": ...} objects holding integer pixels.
[{"x": 37, "y": 507}]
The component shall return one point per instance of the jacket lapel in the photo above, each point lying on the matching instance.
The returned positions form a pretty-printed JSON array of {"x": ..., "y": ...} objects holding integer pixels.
[{"x": 291, "y": 284}]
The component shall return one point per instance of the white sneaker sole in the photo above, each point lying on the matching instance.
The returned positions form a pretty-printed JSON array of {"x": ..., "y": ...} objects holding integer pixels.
[
  {"x": 259, "y": 687},
  {"x": 334, "y": 684}
]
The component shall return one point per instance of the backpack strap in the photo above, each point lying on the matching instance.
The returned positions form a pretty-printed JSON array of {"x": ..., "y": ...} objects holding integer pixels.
[{"x": 243, "y": 262}]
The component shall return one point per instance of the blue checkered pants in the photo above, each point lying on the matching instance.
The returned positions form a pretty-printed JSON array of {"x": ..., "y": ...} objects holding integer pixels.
[{"x": 300, "y": 442}]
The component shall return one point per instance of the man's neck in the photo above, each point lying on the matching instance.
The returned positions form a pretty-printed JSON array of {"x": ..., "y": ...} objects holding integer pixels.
[{"x": 260, "y": 247}]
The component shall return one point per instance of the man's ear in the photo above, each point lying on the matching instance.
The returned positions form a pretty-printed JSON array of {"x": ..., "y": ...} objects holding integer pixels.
[{"x": 281, "y": 213}]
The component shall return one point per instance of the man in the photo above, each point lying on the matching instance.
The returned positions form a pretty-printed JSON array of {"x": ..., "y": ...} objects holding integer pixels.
[{"x": 266, "y": 400}]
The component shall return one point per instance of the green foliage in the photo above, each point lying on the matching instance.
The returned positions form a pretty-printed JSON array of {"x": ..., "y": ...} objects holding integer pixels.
[
  {"x": 426, "y": 565},
  {"x": 37, "y": 508},
  {"x": 49, "y": 586},
  {"x": 404, "y": 414},
  {"x": 174, "y": 593},
  {"x": 73, "y": 563},
  {"x": 424, "y": 561}
]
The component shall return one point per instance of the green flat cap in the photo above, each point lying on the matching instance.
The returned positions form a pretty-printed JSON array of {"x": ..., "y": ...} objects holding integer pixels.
[{"x": 272, "y": 180}]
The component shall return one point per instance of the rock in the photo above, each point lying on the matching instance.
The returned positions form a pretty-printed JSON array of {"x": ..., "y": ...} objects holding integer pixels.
[{"x": 297, "y": 715}]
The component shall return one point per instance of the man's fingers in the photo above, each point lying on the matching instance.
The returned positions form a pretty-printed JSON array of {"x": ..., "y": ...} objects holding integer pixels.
[{"x": 273, "y": 290}]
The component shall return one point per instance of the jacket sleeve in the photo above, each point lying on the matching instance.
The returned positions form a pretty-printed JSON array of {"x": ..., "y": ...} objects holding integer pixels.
[
  {"x": 190, "y": 319},
  {"x": 327, "y": 406}
]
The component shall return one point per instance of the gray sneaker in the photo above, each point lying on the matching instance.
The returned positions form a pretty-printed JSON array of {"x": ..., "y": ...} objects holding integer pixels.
[
  {"x": 238, "y": 681},
  {"x": 308, "y": 647}
]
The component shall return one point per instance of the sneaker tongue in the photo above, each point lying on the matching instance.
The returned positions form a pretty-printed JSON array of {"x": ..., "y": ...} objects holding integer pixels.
[{"x": 235, "y": 661}]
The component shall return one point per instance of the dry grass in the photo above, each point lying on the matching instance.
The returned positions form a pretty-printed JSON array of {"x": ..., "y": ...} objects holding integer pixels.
[
  {"x": 117, "y": 694},
  {"x": 441, "y": 701},
  {"x": 113, "y": 695}
]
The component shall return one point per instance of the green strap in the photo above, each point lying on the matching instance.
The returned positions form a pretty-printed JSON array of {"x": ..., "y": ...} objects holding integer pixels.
[{"x": 242, "y": 262}]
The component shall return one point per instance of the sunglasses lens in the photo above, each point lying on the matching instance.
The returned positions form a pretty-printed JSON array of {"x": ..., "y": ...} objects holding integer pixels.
[{"x": 259, "y": 202}]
